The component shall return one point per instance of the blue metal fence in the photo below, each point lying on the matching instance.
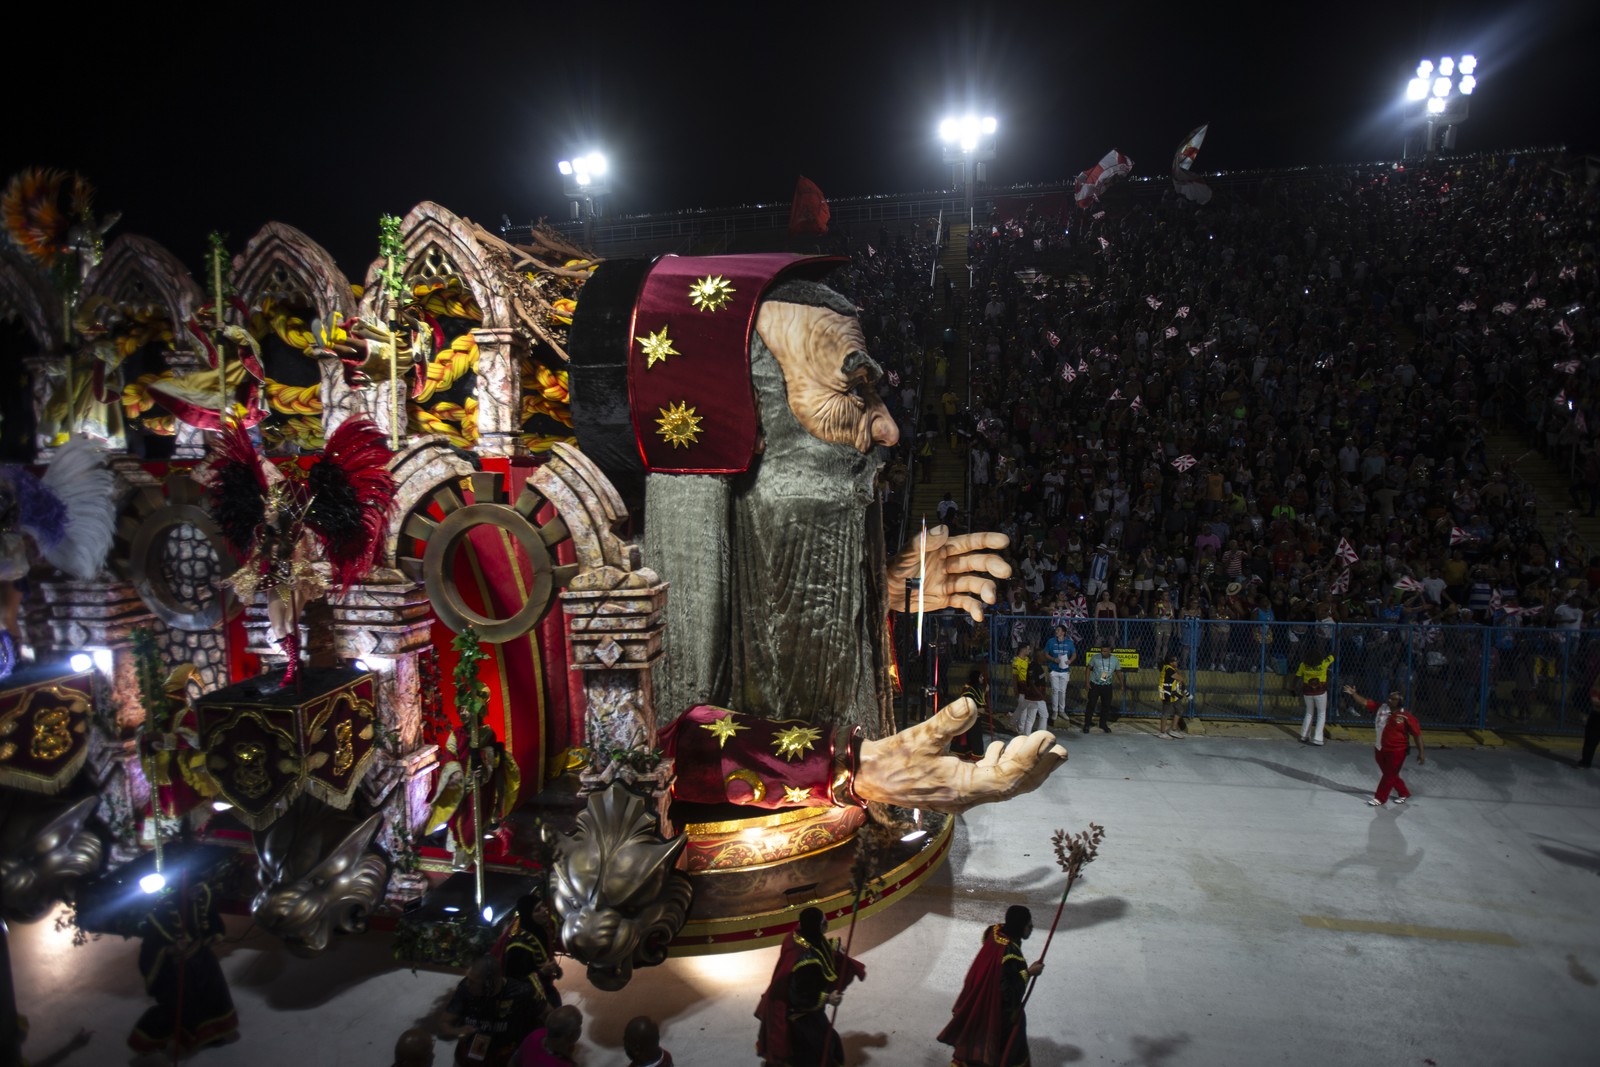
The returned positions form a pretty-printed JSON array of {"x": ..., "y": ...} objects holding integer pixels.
[{"x": 1532, "y": 679}]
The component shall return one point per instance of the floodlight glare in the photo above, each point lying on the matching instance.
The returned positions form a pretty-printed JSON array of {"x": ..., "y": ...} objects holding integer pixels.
[
  {"x": 989, "y": 124},
  {"x": 947, "y": 130},
  {"x": 1425, "y": 68},
  {"x": 1447, "y": 66},
  {"x": 596, "y": 162},
  {"x": 969, "y": 144},
  {"x": 1469, "y": 64},
  {"x": 488, "y": 913},
  {"x": 80, "y": 662},
  {"x": 1468, "y": 84},
  {"x": 583, "y": 177},
  {"x": 1441, "y": 87},
  {"x": 154, "y": 882},
  {"x": 565, "y": 167},
  {"x": 1416, "y": 89},
  {"x": 1436, "y": 105}
]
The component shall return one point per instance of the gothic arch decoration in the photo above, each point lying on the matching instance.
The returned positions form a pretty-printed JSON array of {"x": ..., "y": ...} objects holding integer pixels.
[
  {"x": 25, "y": 294},
  {"x": 463, "y": 304},
  {"x": 138, "y": 272},
  {"x": 130, "y": 329},
  {"x": 288, "y": 286}
]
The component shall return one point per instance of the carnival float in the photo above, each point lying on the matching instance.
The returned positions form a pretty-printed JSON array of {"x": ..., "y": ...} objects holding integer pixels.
[{"x": 497, "y": 571}]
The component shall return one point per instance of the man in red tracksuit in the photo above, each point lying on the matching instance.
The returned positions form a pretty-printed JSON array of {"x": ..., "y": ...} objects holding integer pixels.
[{"x": 1395, "y": 728}]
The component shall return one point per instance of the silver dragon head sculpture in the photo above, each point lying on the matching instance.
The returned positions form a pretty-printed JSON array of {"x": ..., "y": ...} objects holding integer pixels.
[
  {"x": 44, "y": 849},
  {"x": 315, "y": 882},
  {"x": 615, "y": 891}
]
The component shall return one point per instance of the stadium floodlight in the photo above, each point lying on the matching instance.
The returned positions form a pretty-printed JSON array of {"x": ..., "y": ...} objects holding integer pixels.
[
  {"x": 584, "y": 182},
  {"x": 1416, "y": 89},
  {"x": 1467, "y": 84},
  {"x": 565, "y": 167},
  {"x": 1425, "y": 68},
  {"x": 1447, "y": 66},
  {"x": 1441, "y": 87},
  {"x": 968, "y": 144},
  {"x": 1435, "y": 105},
  {"x": 1438, "y": 99},
  {"x": 1468, "y": 64}
]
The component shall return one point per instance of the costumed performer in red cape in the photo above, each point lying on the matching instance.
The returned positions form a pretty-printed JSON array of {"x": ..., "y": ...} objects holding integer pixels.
[
  {"x": 990, "y": 1005},
  {"x": 811, "y": 974}
]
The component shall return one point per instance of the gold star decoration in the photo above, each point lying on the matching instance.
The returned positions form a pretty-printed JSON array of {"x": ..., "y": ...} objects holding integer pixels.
[
  {"x": 793, "y": 742},
  {"x": 723, "y": 728},
  {"x": 711, "y": 293},
  {"x": 657, "y": 347},
  {"x": 680, "y": 426},
  {"x": 796, "y": 794}
]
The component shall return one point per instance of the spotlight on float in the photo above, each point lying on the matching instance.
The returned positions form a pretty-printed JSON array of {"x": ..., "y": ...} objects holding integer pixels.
[
  {"x": 361, "y": 665},
  {"x": 102, "y": 659},
  {"x": 221, "y": 805},
  {"x": 80, "y": 662},
  {"x": 488, "y": 914},
  {"x": 154, "y": 882}
]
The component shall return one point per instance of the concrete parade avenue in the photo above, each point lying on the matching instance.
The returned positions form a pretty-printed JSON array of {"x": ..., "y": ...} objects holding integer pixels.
[{"x": 1247, "y": 907}]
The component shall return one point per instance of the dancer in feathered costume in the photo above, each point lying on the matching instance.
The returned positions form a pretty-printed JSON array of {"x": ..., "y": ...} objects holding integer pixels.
[
  {"x": 65, "y": 517},
  {"x": 283, "y": 526}
]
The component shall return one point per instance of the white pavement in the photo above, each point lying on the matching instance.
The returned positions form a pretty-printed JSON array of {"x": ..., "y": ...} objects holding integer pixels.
[{"x": 1247, "y": 908}]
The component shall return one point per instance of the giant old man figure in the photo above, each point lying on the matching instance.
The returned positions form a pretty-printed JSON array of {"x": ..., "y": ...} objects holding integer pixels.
[{"x": 748, "y": 399}]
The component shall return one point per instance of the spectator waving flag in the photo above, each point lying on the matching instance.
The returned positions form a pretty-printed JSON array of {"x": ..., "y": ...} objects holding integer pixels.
[
  {"x": 1505, "y": 307},
  {"x": 1409, "y": 584},
  {"x": 1463, "y": 269},
  {"x": 1568, "y": 272},
  {"x": 1533, "y": 280},
  {"x": 1104, "y": 244},
  {"x": 1138, "y": 403},
  {"x": 1188, "y": 185},
  {"x": 1155, "y": 305},
  {"x": 1183, "y": 312},
  {"x": 1053, "y": 337},
  {"x": 1098, "y": 215},
  {"x": 1078, "y": 606},
  {"x": 1172, "y": 331},
  {"x": 1563, "y": 329},
  {"x": 1346, "y": 552},
  {"x": 1536, "y": 303},
  {"x": 1569, "y": 366},
  {"x": 1341, "y": 582},
  {"x": 1089, "y": 184},
  {"x": 1116, "y": 394},
  {"x": 1466, "y": 305},
  {"x": 1067, "y": 373},
  {"x": 1458, "y": 535},
  {"x": 1083, "y": 367},
  {"x": 1184, "y": 462}
]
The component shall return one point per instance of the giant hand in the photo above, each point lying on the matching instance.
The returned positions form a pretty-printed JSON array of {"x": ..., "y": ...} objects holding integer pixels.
[
  {"x": 914, "y": 768},
  {"x": 960, "y": 571}
]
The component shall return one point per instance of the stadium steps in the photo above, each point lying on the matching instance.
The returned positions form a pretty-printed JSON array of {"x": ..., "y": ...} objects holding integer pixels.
[
  {"x": 947, "y": 473},
  {"x": 1550, "y": 483}
]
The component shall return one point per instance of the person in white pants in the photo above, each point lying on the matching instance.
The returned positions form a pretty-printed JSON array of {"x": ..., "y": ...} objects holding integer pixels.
[
  {"x": 1313, "y": 676},
  {"x": 1060, "y": 650}
]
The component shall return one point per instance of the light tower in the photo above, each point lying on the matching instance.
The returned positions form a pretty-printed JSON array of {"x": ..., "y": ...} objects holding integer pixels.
[
  {"x": 968, "y": 145},
  {"x": 585, "y": 179},
  {"x": 1436, "y": 100}
]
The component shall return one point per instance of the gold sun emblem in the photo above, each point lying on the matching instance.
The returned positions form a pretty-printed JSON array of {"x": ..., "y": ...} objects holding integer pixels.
[
  {"x": 657, "y": 347},
  {"x": 793, "y": 742},
  {"x": 796, "y": 794},
  {"x": 679, "y": 425},
  {"x": 711, "y": 293},
  {"x": 723, "y": 728}
]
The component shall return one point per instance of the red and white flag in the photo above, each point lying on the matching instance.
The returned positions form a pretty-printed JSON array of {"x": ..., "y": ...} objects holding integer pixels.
[
  {"x": 1563, "y": 329},
  {"x": 1341, "y": 582},
  {"x": 1184, "y": 462},
  {"x": 1409, "y": 584},
  {"x": 1505, "y": 307},
  {"x": 871, "y": 251},
  {"x": 1087, "y": 186},
  {"x": 1466, "y": 305},
  {"x": 1098, "y": 215},
  {"x": 1188, "y": 185},
  {"x": 1568, "y": 272},
  {"x": 1463, "y": 269},
  {"x": 1172, "y": 331},
  {"x": 1067, "y": 373},
  {"x": 1536, "y": 303},
  {"x": 1104, "y": 244},
  {"x": 1116, "y": 394},
  {"x": 1533, "y": 280},
  {"x": 1138, "y": 403},
  {"x": 1083, "y": 366},
  {"x": 1053, "y": 337},
  {"x": 1183, "y": 312},
  {"x": 1458, "y": 535},
  {"x": 1155, "y": 305},
  {"x": 1569, "y": 366},
  {"x": 1346, "y": 552},
  {"x": 1078, "y": 607}
]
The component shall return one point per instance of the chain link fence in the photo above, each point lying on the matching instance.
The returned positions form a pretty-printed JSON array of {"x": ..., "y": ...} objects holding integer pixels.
[{"x": 1530, "y": 679}]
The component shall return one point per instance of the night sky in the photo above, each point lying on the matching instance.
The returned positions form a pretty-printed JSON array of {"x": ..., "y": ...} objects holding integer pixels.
[{"x": 324, "y": 118}]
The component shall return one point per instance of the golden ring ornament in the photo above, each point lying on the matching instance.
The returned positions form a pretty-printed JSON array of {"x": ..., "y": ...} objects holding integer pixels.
[{"x": 443, "y": 539}]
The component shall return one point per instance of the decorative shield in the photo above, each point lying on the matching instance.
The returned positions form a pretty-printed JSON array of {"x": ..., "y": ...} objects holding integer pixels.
[{"x": 44, "y": 728}]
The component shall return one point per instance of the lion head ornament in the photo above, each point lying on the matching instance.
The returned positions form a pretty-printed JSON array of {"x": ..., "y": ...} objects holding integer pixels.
[
  {"x": 319, "y": 876},
  {"x": 618, "y": 898},
  {"x": 44, "y": 849}
]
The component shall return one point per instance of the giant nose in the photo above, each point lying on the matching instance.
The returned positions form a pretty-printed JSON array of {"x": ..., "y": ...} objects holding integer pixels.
[{"x": 883, "y": 428}]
